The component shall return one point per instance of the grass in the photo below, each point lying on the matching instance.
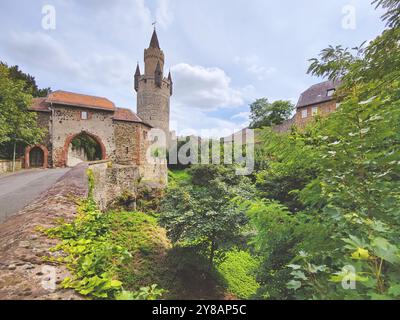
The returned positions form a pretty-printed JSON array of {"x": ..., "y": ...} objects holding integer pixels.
[
  {"x": 237, "y": 271},
  {"x": 178, "y": 176}
]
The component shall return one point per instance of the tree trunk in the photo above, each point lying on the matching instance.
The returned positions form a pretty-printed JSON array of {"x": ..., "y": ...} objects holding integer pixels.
[{"x": 212, "y": 253}]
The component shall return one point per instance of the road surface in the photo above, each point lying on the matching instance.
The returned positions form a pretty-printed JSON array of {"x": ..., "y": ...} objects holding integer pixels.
[{"x": 20, "y": 189}]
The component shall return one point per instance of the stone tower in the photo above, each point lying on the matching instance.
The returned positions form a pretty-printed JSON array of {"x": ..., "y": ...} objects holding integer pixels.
[{"x": 153, "y": 89}]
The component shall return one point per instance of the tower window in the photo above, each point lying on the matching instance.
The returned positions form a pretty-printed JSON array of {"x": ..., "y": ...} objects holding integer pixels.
[
  {"x": 84, "y": 115},
  {"x": 127, "y": 150}
]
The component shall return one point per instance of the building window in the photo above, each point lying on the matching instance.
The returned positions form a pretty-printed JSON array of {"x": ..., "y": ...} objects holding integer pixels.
[
  {"x": 314, "y": 111},
  {"x": 127, "y": 150},
  {"x": 304, "y": 113},
  {"x": 145, "y": 135},
  {"x": 331, "y": 92},
  {"x": 84, "y": 115}
]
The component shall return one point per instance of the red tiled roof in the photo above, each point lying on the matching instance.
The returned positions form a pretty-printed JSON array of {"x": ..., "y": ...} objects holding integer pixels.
[
  {"x": 123, "y": 114},
  {"x": 40, "y": 105},
  {"x": 317, "y": 93},
  {"x": 80, "y": 100}
]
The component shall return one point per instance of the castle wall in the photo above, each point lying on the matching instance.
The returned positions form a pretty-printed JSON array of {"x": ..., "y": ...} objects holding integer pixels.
[
  {"x": 67, "y": 123},
  {"x": 130, "y": 142},
  {"x": 112, "y": 181}
]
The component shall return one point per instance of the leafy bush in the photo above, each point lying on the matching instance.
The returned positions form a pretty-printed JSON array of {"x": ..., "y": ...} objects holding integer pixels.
[{"x": 97, "y": 248}]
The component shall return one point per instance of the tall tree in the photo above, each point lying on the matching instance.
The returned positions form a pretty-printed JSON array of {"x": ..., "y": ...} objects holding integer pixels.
[
  {"x": 30, "y": 86},
  {"x": 266, "y": 114},
  {"x": 17, "y": 124},
  {"x": 201, "y": 212}
]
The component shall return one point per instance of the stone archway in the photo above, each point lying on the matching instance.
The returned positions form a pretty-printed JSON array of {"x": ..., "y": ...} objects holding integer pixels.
[
  {"x": 69, "y": 140},
  {"x": 36, "y": 156}
]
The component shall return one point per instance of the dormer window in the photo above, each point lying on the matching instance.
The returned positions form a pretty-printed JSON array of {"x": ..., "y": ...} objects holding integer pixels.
[
  {"x": 84, "y": 115},
  {"x": 331, "y": 92}
]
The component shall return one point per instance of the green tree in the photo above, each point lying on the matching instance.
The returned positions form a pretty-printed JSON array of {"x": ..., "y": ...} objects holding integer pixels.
[
  {"x": 31, "y": 86},
  {"x": 202, "y": 212},
  {"x": 266, "y": 114},
  {"x": 392, "y": 15},
  {"x": 17, "y": 124},
  {"x": 290, "y": 166},
  {"x": 357, "y": 189}
]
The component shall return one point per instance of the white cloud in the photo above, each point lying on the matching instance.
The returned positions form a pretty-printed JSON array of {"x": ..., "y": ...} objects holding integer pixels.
[
  {"x": 205, "y": 88},
  {"x": 254, "y": 66},
  {"x": 164, "y": 14},
  {"x": 41, "y": 51}
]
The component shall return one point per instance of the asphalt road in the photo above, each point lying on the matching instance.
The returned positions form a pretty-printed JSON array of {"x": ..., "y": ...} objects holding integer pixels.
[{"x": 20, "y": 189}]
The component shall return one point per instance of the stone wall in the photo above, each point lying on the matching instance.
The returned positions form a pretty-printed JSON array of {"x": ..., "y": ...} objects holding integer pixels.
[
  {"x": 6, "y": 165},
  {"x": 111, "y": 181},
  {"x": 67, "y": 123},
  {"x": 128, "y": 138},
  {"x": 44, "y": 122},
  {"x": 286, "y": 126}
]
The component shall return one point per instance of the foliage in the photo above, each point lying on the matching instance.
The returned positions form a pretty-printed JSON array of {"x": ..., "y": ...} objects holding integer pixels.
[
  {"x": 353, "y": 194},
  {"x": 392, "y": 14},
  {"x": 266, "y": 114},
  {"x": 17, "y": 124},
  {"x": 30, "y": 85},
  {"x": 203, "y": 212},
  {"x": 238, "y": 269},
  {"x": 90, "y": 146},
  {"x": 145, "y": 293},
  {"x": 279, "y": 236},
  {"x": 290, "y": 166},
  {"x": 101, "y": 251},
  {"x": 178, "y": 176}
]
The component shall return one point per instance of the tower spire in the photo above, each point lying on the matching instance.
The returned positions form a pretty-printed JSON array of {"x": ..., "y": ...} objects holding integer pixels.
[
  {"x": 154, "y": 40},
  {"x": 137, "y": 77},
  {"x": 137, "y": 73}
]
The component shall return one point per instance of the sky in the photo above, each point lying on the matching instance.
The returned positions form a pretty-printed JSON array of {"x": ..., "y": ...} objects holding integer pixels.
[{"x": 223, "y": 55}]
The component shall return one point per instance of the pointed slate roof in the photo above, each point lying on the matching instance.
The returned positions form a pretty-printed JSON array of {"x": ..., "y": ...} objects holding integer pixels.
[
  {"x": 137, "y": 73},
  {"x": 154, "y": 41},
  {"x": 169, "y": 76}
]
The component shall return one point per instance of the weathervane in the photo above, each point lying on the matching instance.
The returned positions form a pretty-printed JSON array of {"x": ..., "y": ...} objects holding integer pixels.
[{"x": 154, "y": 24}]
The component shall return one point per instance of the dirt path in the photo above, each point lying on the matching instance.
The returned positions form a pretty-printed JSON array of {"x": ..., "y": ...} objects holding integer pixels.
[{"x": 23, "y": 273}]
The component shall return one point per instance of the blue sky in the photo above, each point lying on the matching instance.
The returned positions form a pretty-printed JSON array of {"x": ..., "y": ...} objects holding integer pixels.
[{"x": 223, "y": 54}]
